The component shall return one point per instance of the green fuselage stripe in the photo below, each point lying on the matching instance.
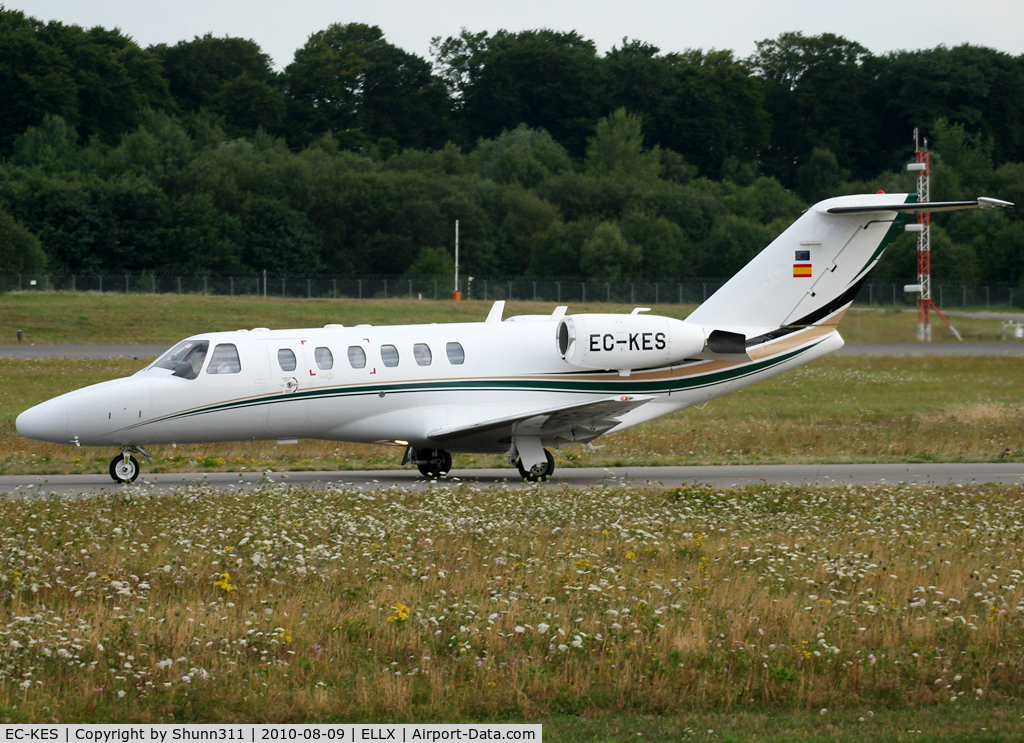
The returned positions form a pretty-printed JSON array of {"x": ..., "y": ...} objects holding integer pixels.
[{"x": 614, "y": 385}]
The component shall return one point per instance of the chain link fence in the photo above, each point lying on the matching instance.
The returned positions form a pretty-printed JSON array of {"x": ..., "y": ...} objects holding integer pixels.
[{"x": 559, "y": 290}]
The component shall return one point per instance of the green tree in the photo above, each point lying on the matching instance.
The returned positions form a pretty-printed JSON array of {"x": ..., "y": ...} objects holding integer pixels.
[
  {"x": 20, "y": 251},
  {"x": 523, "y": 155},
  {"x": 197, "y": 70},
  {"x": 616, "y": 149},
  {"x": 818, "y": 93},
  {"x": 348, "y": 80},
  {"x": 667, "y": 253},
  {"x": 278, "y": 238},
  {"x": 432, "y": 262},
  {"x": 52, "y": 146},
  {"x": 544, "y": 79},
  {"x": 821, "y": 177},
  {"x": 95, "y": 80},
  {"x": 979, "y": 88},
  {"x": 608, "y": 255}
]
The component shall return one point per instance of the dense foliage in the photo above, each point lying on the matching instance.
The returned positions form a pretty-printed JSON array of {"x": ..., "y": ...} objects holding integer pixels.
[{"x": 358, "y": 157}]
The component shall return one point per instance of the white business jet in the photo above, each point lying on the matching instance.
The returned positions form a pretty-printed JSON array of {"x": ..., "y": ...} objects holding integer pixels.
[{"x": 522, "y": 385}]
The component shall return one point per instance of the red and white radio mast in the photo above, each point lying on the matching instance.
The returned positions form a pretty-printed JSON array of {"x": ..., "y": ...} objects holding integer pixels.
[{"x": 923, "y": 167}]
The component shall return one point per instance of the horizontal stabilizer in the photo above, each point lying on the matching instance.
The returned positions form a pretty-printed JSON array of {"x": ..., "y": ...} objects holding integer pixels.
[
  {"x": 926, "y": 206},
  {"x": 578, "y": 422}
]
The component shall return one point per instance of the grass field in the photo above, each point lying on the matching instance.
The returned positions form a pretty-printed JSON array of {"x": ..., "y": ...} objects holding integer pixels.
[
  {"x": 838, "y": 409},
  {"x": 58, "y": 317},
  {"x": 765, "y": 613}
]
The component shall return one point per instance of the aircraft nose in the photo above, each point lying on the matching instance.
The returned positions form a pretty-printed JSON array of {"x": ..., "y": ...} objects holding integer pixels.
[{"x": 47, "y": 421}]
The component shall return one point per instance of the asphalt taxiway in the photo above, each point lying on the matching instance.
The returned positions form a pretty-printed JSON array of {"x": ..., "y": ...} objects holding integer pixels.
[{"x": 725, "y": 476}]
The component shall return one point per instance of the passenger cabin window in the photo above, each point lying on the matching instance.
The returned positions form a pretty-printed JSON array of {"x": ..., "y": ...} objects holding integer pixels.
[
  {"x": 456, "y": 355},
  {"x": 286, "y": 359},
  {"x": 389, "y": 355},
  {"x": 324, "y": 358},
  {"x": 421, "y": 352},
  {"x": 356, "y": 357},
  {"x": 185, "y": 359},
  {"x": 224, "y": 360}
]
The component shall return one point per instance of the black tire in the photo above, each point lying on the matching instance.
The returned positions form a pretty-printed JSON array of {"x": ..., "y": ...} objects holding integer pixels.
[
  {"x": 545, "y": 475},
  {"x": 438, "y": 464},
  {"x": 124, "y": 471}
]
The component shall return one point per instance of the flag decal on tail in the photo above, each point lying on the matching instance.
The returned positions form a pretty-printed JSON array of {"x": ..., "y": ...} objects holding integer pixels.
[
  {"x": 802, "y": 255},
  {"x": 801, "y": 270}
]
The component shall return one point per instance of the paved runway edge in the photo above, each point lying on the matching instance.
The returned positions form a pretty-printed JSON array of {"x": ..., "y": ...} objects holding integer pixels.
[{"x": 728, "y": 476}]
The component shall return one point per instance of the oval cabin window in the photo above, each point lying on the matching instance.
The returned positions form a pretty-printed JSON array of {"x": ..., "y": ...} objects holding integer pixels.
[
  {"x": 286, "y": 359},
  {"x": 456, "y": 355},
  {"x": 357, "y": 357},
  {"x": 421, "y": 352},
  {"x": 324, "y": 358}
]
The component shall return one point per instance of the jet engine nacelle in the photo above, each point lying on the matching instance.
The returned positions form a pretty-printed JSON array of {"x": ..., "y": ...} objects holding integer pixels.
[{"x": 624, "y": 342}]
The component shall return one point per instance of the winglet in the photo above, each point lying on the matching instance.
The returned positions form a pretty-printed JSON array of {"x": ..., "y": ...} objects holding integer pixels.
[{"x": 497, "y": 310}]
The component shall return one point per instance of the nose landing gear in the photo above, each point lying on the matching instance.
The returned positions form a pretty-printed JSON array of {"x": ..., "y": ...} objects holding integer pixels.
[{"x": 124, "y": 468}]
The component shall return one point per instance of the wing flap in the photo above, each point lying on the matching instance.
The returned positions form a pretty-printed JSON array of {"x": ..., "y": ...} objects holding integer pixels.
[{"x": 589, "y": 419}]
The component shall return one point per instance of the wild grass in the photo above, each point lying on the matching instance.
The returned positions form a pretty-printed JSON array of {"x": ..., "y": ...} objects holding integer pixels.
[
  {"x": 837, "y": 409},
  {"x": 89, "y": 317},
  {"x": 291, "y": 604}
]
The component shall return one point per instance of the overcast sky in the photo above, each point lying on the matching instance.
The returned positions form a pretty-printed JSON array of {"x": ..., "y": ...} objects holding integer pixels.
[{"x": 282, "y": 27}]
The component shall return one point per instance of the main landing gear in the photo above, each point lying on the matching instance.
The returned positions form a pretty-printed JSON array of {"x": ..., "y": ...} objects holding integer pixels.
[
  {"x": 432, "y": 463},
  {"x": 538, "y": 472},
  {"x": 124, "y": 468}
]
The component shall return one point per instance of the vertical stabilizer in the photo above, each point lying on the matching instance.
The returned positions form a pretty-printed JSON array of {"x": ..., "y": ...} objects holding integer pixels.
[{"x": 811, "y": 270}]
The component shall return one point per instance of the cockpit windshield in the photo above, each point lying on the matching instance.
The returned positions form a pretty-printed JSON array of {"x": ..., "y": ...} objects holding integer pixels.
[{"x": 185, "y": 359}]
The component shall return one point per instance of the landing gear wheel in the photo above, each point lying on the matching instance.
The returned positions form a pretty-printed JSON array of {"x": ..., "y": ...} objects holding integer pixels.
[
  {"x": 533, "y": 476},
  {"x": 434, "y": 463},
  {"x": 124, "y": 469}
]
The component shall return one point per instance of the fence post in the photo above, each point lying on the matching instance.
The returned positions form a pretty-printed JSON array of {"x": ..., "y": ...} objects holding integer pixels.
[
  {"x": 232, "y": 280},
  {"x": 205, "y": 287},
  {"x": 680, "y": 292},
  {"x": 435, "y": 288},
  {"x": 410, "y": 288},
  {"x": 534, "y": 291},
  {"x": 152, "y": 281},
  {"x": 870, "y": 301},
  {"x": 101, "y": 283},
  {"x": 179, "y": 283},
  {"x": 73, "y": 283},
  {"x": 485, "y": 290},
  {"x": 940, "y": 295},
  {"x": 893, "y": 295},
  {"x": 632, "y": 293},
  {"x": 510, "y": 290},
  {"x": 335, "y": 288},
  {"x": 964, "y": 287},
  {"x": 986, "y": 296},
  {"x": 385, "y": 288},
  {"x": 655, "y": 292},
  {"x": 282, "y": 287},
  {"x": 583, "y": 291},
  {"x": 19, "y": 282},
  {"x": 705, "y": 292},
  {"x": 360, "y": 288},
  {"x": 126, "y": 283},
  {"x": 607, "y": 291},
  {"x": 559, "y": 285}
]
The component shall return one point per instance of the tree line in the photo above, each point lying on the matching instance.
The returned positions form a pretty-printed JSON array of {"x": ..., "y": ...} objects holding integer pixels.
[{"x": 358, "y": 156}]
